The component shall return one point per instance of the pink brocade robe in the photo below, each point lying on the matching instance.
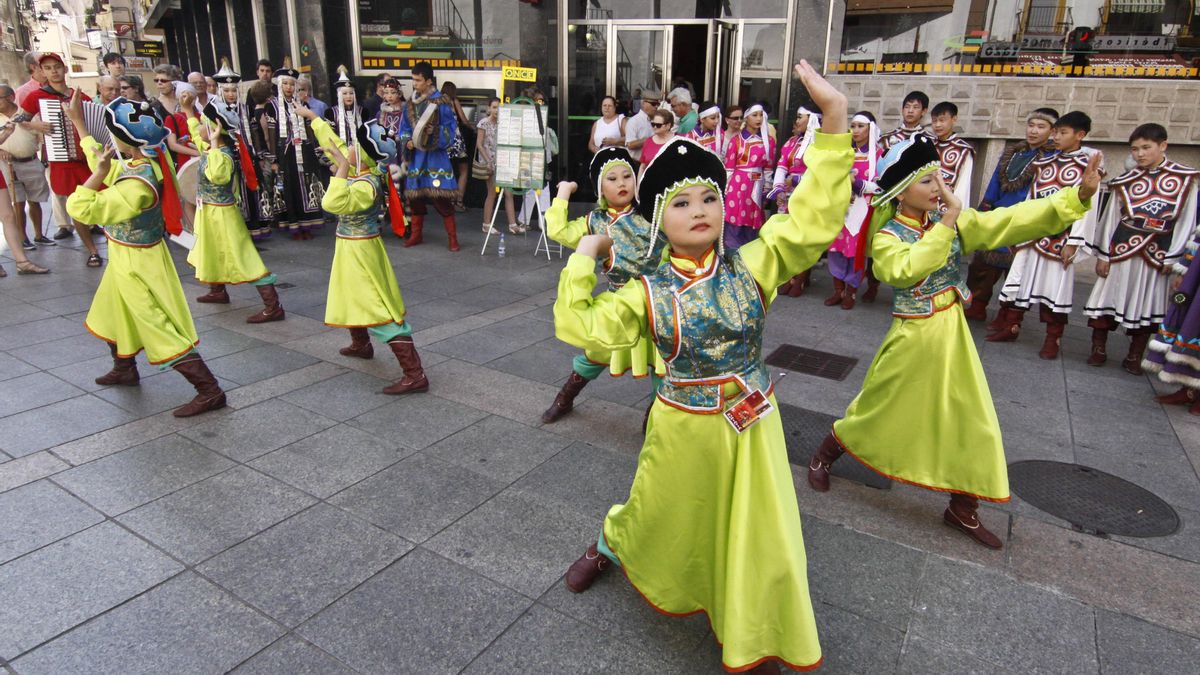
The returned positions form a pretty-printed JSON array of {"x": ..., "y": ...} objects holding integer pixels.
[
  {"x": 748, "y": 159},
  {"x": 791, "y": 161}
]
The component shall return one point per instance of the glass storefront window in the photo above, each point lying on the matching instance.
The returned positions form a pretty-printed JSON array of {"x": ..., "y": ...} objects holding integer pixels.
[
  {"x": 275, "y": 20},
  {"x": 603, "y": 10},
  {"x": 1033, "y": 38}
]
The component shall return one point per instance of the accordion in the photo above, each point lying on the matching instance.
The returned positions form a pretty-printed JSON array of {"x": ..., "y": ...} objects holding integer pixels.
[{"x": 60, "y": 142}]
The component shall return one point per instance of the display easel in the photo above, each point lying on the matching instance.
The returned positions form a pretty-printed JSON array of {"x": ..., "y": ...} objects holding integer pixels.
[{"x": 520, "y": 163}]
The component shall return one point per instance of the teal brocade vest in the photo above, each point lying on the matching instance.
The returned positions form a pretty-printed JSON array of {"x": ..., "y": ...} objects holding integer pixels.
[
  {"x": 631, "y": 237},
  {"x": 916, "y": 301},
  {"x": 365, "y": 223},
  {"x": 211, "y": 193},
  {"x": 709, "y": 330},
  {"x": 146, "y": 228}
]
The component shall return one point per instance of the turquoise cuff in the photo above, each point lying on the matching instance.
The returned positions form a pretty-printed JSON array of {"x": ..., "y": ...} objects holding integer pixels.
[{"x": 390, "y": 331}]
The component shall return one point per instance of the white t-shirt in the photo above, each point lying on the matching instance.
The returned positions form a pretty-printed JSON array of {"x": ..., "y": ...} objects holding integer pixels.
[{"x": 636, "y": 129}]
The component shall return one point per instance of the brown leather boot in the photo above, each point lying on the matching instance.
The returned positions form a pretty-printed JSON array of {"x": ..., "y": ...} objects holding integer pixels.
[
  {"x": 564, "y": 402},
  {"x": 414, "y": 379},
  {"x": 124, "y": 371},
  {"x": 1053, "y": 341},
  {"x": 360, "y": 344},
  {"x": 962, "y": 515},
  {"x": 785, "y": 288},
  {"x": 272, "y": 310},
  {"x": 1010, "y": 325},
  {"x": 415, "y": 226},
  {"x": 1137, "y": 349},
  {"x": 848, "y": 297},
  {"x": 583, "y": 572},
  {"x": 1099, "y": 353},
  {"x": 872, "y": 290},
  {"x": 769, "y": 667},
  {"x": 997, "y": 323},
  {"x": 216, "y": 294},
  {"x": 209, "y": 395},
  {"x": 1184, "y": 396},
  {"x": 839, "y": 287},
  {"x": 822, "y": 460},
  {"x": 799, "y": 284},
  {"x": 451, "y": 232}
]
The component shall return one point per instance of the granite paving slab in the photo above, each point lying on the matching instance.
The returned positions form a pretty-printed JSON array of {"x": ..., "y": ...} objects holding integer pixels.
[
  {"x": 33, "y": 391},
  {"x": 529, "y": 558},
  {"x": 256, "y": 430},
  {"x": 545, "y": 641},
  {"x": 1026, "y": 628},
  {"x": 38, "y": 514},
  {"x": 417, "y": 421},
  {"x": 72, "y": 580},
  {"x": 498, "y": 448},
  {"x": 1128, "y": 645},
  {"x": 259, "y": 363},
  {"x": 292, "y": 656},
  {"x": 330, "y": 461},
  {"x": 141, "y": 474},
  {"x": 924, "y": 656},
  {"x": 422, "y": 614},
  {"x": 298, "y": 567},
  {"x": 342, "y": 397},
  {"x": 17, "y": 472},
  {"x": 587, "y": 479},
  {"x": 34, "y": 430},
  {"x": 184, "y": 625},
  {"x": 11, "y": 366},
  {"x": 208, "y": 517},
  {"x": 417, "y": 497}
]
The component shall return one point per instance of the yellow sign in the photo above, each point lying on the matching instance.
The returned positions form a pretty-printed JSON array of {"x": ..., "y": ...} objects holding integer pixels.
[{"x": 519, "y": 74}]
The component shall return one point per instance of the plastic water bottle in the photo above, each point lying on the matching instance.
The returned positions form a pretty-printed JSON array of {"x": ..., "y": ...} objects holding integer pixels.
[{"x": 500, "y": 251}]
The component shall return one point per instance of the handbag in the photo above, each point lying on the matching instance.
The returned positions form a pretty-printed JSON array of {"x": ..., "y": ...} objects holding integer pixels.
[{"x": 479, "y": 169}]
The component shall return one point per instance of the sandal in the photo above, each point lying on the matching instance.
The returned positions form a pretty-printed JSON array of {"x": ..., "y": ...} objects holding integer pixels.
[
  {"x": 94, "y": 260},
  {"x": 489, "y": 229},
  {"x": 517, "y": 229},
  {"x": 30, "y": 267}
]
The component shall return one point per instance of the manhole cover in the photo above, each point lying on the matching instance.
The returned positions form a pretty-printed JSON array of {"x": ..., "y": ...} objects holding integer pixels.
[
  {"x": 812, "y": 362},
  {"x": 1091, "y": 500},
  {"x": 804, "y": 429},
  {"x": 284, "y": 284}
]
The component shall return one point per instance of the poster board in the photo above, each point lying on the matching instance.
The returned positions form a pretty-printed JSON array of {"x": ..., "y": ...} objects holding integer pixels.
[{"x": 520, "y": 147}]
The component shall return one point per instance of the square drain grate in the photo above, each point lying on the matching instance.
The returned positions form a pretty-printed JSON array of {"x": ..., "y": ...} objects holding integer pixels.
[
  {"x": 804, "y": 429},
  {"x": 812, "y": 362}
]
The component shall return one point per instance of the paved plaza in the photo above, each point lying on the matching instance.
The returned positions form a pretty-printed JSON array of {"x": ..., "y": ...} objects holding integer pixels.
[{"x": 319, "y": 526}]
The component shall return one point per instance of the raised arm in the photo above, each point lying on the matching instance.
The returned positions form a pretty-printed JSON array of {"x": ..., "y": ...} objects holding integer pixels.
[
  {"x": 791, "y": 243},
  {"x": 609, "y": 321},
  {"x": 558, "y": 227},
  {"x": 1026, "y": 221}
]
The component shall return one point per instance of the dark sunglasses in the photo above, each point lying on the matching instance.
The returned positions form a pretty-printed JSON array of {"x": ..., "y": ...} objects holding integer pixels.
[
  {"x": 659, "y": 125},
  {"x": 734, "y": 119},
  {"x": 161, "y": 81}
]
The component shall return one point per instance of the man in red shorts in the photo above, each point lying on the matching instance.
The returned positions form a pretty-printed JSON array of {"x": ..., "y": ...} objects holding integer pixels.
[{"x": 65, "y": 176}]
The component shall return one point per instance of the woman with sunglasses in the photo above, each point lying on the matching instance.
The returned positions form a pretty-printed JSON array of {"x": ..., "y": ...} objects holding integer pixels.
[
  {"x": 733, "y": 126},
  {"x": 663, "y": 124}
]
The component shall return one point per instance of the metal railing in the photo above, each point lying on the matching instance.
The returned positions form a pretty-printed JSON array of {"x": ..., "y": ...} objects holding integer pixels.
[
  {"x": 447, "y": 16},
  {"x": 1044, "y": 21}
]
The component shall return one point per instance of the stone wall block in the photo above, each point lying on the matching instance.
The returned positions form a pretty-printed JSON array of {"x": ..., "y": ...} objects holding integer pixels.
[
  {"x": 1108, "y": 96},
  {"x": 1165, "y": 95}
]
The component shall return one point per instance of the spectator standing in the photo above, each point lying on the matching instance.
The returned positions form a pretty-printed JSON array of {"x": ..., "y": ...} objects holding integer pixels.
[
  {"x": 464, "y": 137},
  {"x": 114, "y": 63},
  {"x": 637, "y": 128},
  {"x": 609, "y": 130},
  {"x": 681, "y": 105},
  {"x": 23, "y": 172},
  {"x": 485, "y": 151}
]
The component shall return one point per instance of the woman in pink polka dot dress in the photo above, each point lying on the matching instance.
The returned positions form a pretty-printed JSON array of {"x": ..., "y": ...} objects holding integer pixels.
[{"x": 749, "y": 158}]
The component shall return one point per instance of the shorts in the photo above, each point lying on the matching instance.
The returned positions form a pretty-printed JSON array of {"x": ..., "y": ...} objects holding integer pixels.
[
  {"x": 27, "y": 180},
  {"x": 66, "y": 176}
]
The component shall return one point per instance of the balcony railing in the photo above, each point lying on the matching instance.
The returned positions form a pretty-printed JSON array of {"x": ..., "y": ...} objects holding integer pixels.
[{"x": 1045, "y": 21}]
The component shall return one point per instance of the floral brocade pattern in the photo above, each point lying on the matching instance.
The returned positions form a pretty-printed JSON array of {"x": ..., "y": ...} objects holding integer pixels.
[
  {"x": 631, "y": 238},
  {"x": 210, "y": 192},
  {"x": 708, "y": 325},
  {"x": 916, "y": 301},
  {"x": 146, "y": 228},
  {"x": 364, "y": 224}
]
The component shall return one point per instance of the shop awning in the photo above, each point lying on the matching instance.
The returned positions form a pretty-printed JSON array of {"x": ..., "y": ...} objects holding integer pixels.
[
  {"x": 1137, "y": 6},
  {"x": 898, "y": 6}
]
